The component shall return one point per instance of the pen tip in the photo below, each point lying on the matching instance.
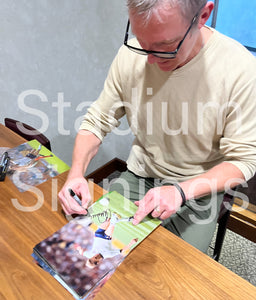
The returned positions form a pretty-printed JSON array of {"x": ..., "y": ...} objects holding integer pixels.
[{"x": 71, "y": 192}]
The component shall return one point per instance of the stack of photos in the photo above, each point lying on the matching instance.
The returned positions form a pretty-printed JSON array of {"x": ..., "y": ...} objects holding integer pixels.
[
  {"x": 32, "y": 164},
  {"x": 84, "y": 253}
]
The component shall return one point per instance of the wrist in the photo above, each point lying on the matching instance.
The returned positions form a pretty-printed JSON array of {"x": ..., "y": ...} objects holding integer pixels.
[
  {"x": 75, "y": 173},
  {"x": 180, "y": 192}
]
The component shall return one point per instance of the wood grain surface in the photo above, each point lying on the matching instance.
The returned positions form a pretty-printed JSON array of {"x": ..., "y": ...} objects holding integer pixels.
[{"x": 161, "y": 267}]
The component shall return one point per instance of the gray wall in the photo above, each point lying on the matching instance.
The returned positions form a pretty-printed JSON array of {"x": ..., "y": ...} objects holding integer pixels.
[{"x": 59, "y": 50}]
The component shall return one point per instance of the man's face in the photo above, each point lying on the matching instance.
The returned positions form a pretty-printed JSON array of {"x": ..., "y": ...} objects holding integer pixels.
[
  {"x": 163, "y": 32},
  {"x": 96, "y": 259}
]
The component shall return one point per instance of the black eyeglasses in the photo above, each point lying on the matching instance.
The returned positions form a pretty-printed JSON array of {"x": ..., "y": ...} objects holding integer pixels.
[{"x": 160, "y": 54}]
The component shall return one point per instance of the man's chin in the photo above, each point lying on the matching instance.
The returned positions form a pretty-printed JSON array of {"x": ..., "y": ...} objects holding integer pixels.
[{"x": 166, "y": 67}]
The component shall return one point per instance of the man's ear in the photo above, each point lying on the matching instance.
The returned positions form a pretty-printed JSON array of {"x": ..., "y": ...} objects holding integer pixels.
[{"x": 205, "y": 14}]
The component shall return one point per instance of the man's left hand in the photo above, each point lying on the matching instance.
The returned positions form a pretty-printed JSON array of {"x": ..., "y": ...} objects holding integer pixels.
[{"x": 161, "y": 202}]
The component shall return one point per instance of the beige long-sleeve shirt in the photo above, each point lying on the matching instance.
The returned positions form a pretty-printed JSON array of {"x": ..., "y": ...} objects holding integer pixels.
[{"x": 185, "y": 121}]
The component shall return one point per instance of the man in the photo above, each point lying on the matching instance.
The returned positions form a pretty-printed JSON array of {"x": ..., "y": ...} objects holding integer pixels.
[{"x": 189, "y": 96}]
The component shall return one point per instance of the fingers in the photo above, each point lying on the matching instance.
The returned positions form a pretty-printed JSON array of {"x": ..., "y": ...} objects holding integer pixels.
[
  {"x": 156, "y": 213},
  {"x": 165, "y": 214},
  {"x": 159, "y": 201},
  {"x": 162, "y": 213},
  {"x": 69, "y": 204},
  {"x": 146, "y": 206}
]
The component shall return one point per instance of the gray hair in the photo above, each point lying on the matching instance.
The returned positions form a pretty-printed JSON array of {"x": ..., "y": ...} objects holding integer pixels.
[{"x": 145, "y": 8}]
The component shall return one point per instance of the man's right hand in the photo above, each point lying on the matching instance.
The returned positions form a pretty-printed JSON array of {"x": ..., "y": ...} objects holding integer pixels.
[
  {"x": 80, "y": 186},
  {"x": 86, "y": 147}
]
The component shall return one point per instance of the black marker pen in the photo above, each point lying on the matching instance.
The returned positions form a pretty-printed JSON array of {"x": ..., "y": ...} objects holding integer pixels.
[{"x": 75, "y": 197}]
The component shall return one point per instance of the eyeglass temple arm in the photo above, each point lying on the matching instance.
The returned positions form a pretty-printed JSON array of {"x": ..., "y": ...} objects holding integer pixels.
[
  {"x": 192, "y": 23},
  {"x": 126, "y": 33}
]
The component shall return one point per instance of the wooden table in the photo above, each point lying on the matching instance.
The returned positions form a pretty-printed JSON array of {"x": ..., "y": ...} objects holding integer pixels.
[{"x": 161, "y": 267}]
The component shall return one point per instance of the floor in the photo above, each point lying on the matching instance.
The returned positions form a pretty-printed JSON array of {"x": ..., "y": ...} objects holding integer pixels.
[{"x": 239, "y": 255}]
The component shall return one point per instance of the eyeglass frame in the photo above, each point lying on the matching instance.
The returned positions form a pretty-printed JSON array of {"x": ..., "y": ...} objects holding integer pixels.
[{"x": 142, "y": 51}]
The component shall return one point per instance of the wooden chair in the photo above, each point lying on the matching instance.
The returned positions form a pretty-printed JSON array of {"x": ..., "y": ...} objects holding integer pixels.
[
  {"x": 27, "y": 132},
  {"x": 239, "y": 220},
  {"x": 117, "y": 164},
  {"x": 224, "y": 215},
  {"x": 243, "y": 221},
  {"x": 104, "y": 171}
]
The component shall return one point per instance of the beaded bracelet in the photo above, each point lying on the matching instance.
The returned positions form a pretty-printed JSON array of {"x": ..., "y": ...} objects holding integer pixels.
[{"x": 178, "y": 187}]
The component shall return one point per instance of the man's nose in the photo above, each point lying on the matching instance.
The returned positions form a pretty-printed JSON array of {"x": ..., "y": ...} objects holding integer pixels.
[{"x": 152, "y": 59}]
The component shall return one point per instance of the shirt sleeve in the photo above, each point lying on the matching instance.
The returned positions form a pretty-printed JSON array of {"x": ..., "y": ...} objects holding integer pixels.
[
  {"x": 238, "y": 144},
  {"x": 103, "y": 115}
]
